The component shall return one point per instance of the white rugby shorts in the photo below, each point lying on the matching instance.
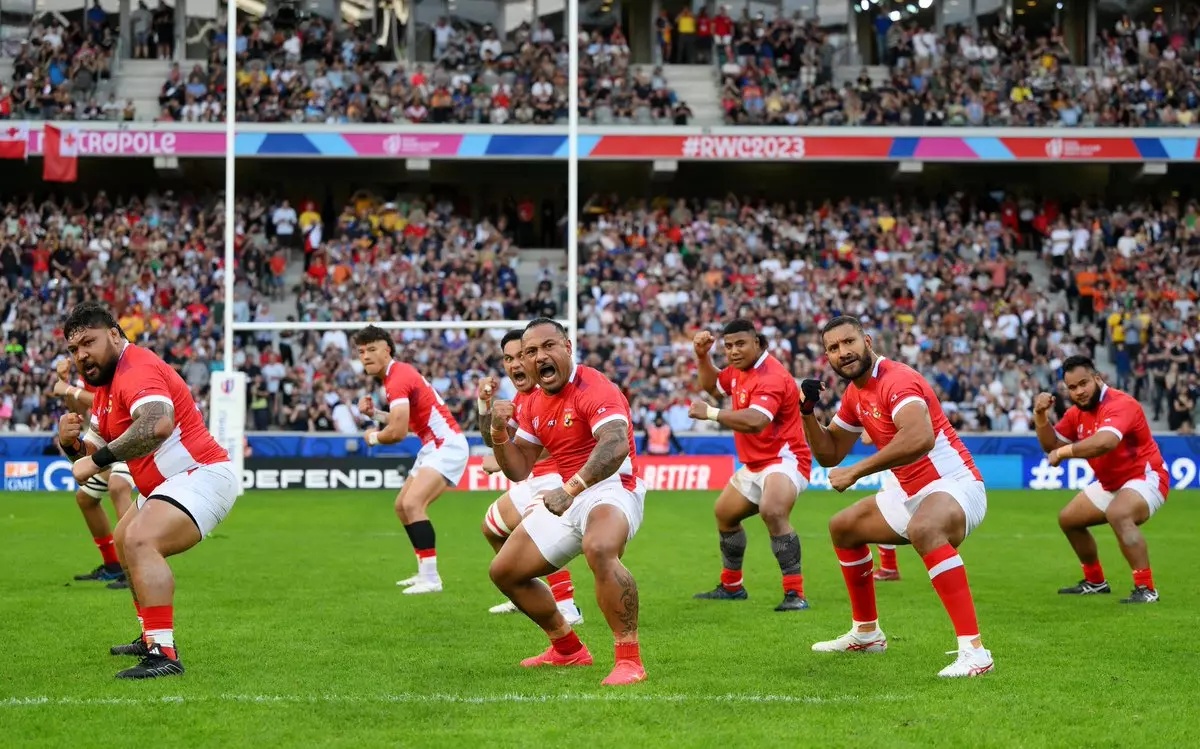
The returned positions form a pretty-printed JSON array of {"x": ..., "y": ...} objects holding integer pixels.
[
  {"x": 750, "y": 484},
  {"x": 560, "y": 539},
  {"x": 898, "y": 508},
  {"x": 450, "y": 459},
  {"x": 205, "y": 493},
  {"x": 1148, "y": 490}
]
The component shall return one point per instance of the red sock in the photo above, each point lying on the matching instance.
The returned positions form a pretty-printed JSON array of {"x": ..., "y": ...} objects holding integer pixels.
[
  {"x": 731, "y": 580},
  {"x": 794, "y": 582},
  {"x": 108, "y": 549},
  {"x": 425, "y": 553},
  {"x": 628, "y": 651},
  {"x": 561, "y": 586},
  {"x": 1143, "y": 577},
  {"x": 887, "y": 558},
  {"x": 856, "y": 569},
  {"x": 567, "y": 644},
  {"x": 160, "y": 628},
  {"x": 1093, "y": 572},
  {"x": 949, "y": 578}
]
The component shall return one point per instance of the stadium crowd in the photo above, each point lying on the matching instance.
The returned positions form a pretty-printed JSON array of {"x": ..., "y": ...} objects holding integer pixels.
[
  {"x": 157, "y": 261},
  {"x": 778, "y": 73},
  {"x": 613, "y": 92},
  {"x": 312, "y": 74},
  {"x": 941, "y": 285},
  {"x": 62, "y": 72}
]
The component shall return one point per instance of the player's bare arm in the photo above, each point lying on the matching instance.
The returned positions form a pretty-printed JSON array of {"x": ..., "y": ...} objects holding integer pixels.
[
  {"x": 611, "y": 450},
  {"x": 707, "y": 372},
  {"x": 1048, "y": 437},
  {"x": 829, "y": 444},
  {"x": 914, "y": 439},
  {"x": 746, "y": 420},
  {"x": 152, "y": 424},
  {"x": 515, "y": 455},
  {"x": 1103, "y": 441},
  {"x": 394, "y": 430}
]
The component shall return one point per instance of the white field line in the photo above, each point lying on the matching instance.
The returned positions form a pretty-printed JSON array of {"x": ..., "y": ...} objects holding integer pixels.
[{"x": 444, "y": 699}]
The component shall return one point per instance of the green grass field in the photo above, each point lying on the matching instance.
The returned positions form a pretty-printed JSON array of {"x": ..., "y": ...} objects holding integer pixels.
[{"x": 294, "y": 634}]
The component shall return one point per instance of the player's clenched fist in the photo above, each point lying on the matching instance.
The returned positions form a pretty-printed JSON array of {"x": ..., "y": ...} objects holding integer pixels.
[
  {"x": 70, "y": 427},
  {"x": 62, "y": 367},
  {"x": 366, "y": 406},
  {"x": 502, "y": 412},
  {"x": 810, "y": 395},
  {"x": 703, "y": 343},
  {"x": 1042, "y": 405},
  {"x": 488, "y": 387}
]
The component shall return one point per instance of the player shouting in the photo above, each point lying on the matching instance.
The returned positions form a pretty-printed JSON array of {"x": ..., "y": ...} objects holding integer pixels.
[
  {"x": 765, "y": 420},
  {"x": 115, "y": 480},
  {"x": 583, "y": 421},
  {"x": 143, "y": 414},
  {"x": 941, "y": 497},
  {"x": 413, "y": 405},
  {"x": 1107, "y": 428},
  {"x": 510, "y": 509}
]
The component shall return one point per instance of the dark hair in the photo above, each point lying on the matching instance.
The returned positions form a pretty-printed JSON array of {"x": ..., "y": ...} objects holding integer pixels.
[
  {"x": 839, "y": 321},
  {"x": 87, "y": 315},
  {"x": 373, "y": 334},
  {"x": 742, "y": 325},
  {"x": 546, "y": 321},
  {"x": 510, "y": 336},
  {"x": 1077, "y": 361}
]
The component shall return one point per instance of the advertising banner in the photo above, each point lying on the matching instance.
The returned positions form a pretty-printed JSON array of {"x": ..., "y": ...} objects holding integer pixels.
[
  {"x": 676, "y": 472},
  {"x": 342, "y": 473}
]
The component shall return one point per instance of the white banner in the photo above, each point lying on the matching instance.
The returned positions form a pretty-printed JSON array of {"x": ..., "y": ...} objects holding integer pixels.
[{"x": 227, "y": 417}]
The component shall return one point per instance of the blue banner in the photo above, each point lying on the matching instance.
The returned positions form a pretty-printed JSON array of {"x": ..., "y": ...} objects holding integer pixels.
[{"x": 1006, "y": 461}]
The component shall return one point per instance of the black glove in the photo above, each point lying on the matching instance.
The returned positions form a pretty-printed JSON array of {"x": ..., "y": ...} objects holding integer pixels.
[{"x": 811, "y": 390}]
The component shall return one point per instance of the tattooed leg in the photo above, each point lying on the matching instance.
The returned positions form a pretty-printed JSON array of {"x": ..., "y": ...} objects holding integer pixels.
[{"x": 616, "y": 590}]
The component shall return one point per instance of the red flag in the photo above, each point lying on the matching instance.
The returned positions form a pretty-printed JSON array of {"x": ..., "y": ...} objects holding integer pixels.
[
  {"x": 14, "y": 140},
  {"x": 60, "y": 154}
]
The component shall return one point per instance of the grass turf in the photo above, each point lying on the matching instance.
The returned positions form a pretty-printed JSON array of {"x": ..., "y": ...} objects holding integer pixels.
[{"x": 294, "y": 634}]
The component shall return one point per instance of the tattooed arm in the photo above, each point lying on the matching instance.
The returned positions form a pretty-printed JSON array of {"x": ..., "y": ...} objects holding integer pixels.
[
  {"x": 152, "y": 424},
  {"x": 611, "y": 450}
]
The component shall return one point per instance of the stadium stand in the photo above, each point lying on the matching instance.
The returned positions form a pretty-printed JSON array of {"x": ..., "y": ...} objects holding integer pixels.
[
  {"x": 306, "y": 76},
  {"x": 985, "y": 298},
  {"x": 787, "y": 71},
  {"x": 614, "y": 92},
  {"x": 157, "y": 261}
]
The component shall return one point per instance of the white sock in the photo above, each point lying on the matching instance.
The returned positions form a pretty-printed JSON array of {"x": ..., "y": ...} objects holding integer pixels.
[
  {"x": 964, "y": 642},
  {"x": 864, "y": 635},
  {"x": 427, "y": 568}
]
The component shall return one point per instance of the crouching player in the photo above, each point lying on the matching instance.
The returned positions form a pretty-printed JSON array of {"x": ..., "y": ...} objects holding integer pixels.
[
  {"x": 941, "y": 499},
  {"x": 510, "y": 509},
  {"x": 1107, "y": 428},
  {"x": 583, "y": 421}
]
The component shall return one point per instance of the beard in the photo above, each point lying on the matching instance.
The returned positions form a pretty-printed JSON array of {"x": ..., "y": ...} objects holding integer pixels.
[
  {"x": 103, "y": 376},
  {"x": 1092, "y": 403},
  {"x": 859, "y": 368}
]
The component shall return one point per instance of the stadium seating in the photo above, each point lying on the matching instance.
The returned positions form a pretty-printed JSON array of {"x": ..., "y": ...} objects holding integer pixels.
[
  {"x": 157, "y": 261},
  {"x": 986, "y": 306},
  {"x": 614, "y": 92},
  {"x": 301, "y": 78}
]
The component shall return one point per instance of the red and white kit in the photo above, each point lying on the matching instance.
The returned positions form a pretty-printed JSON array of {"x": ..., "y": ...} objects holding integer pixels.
[
  {"x": 564, "y": 423},
  {"x": 544, "y": 477},
  {"x": 948, "y": 467},
  {"x": 769, "y": 388},
  {"x": 189, "y": 470},
  {"x": 1135, "y": 464},
  {"x": 98, "y": 484},
  {"x": 443, "y": 446}
]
